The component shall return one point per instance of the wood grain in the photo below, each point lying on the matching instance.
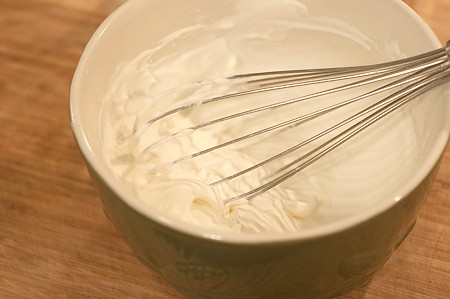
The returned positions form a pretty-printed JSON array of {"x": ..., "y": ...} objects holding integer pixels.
[{"x": 55, "y": 241}]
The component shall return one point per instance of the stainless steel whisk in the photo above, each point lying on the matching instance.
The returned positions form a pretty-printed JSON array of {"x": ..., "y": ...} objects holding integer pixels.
[{"x": 404, "y": 80}]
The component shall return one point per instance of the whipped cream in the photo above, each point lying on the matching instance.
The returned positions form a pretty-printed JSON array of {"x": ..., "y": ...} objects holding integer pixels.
[{"x": 272, "y": 35}]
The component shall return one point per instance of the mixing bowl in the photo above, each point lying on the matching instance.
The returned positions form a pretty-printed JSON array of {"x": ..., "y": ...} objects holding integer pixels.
[{"x": 323, "y": 261}]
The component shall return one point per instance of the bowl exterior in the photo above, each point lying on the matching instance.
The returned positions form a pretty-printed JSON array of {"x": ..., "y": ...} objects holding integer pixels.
[{"x": 313, "y": 268}]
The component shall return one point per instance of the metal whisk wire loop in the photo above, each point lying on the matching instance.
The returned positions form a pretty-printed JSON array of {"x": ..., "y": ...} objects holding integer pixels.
[{"x": 402, "y": 81}]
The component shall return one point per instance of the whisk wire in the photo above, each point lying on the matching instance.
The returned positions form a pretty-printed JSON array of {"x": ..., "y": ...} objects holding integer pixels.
[
  {"x": 386, "y": 87},
  {"x": 411, "y": 77},
  {"x": 258, "y": 81},
  {"x": 418, "y": 72},
  {"x": 390, "y": 104}
]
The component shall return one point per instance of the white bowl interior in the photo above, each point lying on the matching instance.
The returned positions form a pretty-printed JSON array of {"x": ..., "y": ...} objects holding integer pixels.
[{"x": 140, "y": 24}]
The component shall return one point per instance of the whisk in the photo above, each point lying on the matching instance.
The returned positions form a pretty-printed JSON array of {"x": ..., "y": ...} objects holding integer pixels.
[{"x": 401, "y": 81}]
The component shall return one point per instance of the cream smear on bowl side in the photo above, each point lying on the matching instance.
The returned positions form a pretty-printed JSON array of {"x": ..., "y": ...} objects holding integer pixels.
[{"x": 273, "y": 37}]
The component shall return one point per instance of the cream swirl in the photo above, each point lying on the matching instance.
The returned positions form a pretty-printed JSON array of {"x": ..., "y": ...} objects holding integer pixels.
[{"x": 276, "y": 36}]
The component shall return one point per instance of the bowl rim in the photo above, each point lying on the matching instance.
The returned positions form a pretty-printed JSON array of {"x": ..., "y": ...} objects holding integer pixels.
[{"x": 134, "y": 203}]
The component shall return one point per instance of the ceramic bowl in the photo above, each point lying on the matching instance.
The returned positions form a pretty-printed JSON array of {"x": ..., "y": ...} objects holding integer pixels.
[{"x": 321, "y": 262}]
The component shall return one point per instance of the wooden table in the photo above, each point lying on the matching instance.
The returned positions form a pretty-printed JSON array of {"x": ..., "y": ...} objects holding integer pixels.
[{"x": 55, "y": 241}]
